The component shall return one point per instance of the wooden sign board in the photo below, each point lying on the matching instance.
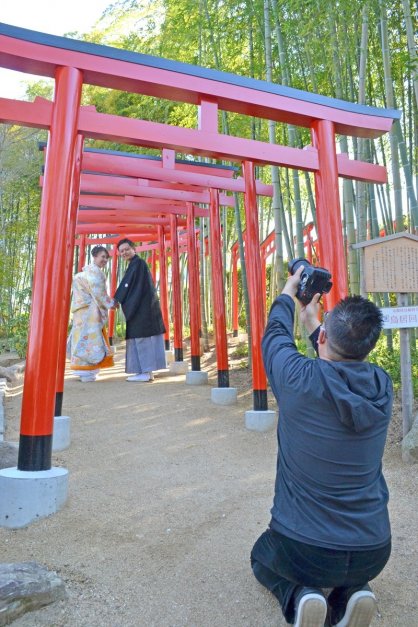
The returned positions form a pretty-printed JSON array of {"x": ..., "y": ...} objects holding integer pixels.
[{"x": 392, "y": 266}]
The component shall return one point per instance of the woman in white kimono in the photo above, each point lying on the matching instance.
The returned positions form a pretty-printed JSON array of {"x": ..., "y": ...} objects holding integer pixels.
[{"x": 88, "y": 343}]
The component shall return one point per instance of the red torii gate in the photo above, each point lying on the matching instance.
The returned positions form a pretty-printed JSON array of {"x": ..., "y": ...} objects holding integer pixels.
[
  {"x": 139, "y": 207},
  {"x": 72, "y": 63},
  {"x": 143, "y": 193},
  {"x": 267, "y": 248}
]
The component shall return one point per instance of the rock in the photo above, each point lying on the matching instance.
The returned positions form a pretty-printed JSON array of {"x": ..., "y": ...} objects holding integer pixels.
[
  {"x": 8, "y": 455},
  {"x": 410, "y": 444},
  {"x": 25, "y": 587},
  {"x": 8, "y": 373},
  {"x": 9, "y": 358}
]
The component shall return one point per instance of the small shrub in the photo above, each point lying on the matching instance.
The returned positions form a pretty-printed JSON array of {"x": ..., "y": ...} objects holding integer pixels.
[
  {"x": 241, "y": 350},
  {"x": 391, "y": 361}
]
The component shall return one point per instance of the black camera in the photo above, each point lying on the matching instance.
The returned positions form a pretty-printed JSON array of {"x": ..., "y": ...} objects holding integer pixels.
[{"x": 313, "y": 280}]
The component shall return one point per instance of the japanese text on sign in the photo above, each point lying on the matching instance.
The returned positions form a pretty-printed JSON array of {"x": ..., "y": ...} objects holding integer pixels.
[
  {"x": 392, "y": 267},
  {"x": 399, "y": 317}
]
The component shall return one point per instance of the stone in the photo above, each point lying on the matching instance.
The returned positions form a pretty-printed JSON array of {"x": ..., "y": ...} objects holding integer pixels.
[
  {"x": 224, "y": 396},
  {"x": 9, "y": 358},
  {"x": 196, "y": 377},
  {"x": 260, "y": 420},
  {"x": 410, "y": 444},
  {"x": 10, "y": 373},
  {"x": 26, "y": 586},
  {"x": 8, "y": 455}
]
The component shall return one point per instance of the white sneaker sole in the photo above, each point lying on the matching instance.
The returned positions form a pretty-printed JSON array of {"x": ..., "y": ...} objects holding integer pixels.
[
  {"x": 312, "y": 611},
  {"x": 360, "y": 611}
]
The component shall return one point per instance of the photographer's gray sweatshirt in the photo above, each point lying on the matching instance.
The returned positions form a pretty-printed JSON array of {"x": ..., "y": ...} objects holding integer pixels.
[{"x": 333, "y": 421}]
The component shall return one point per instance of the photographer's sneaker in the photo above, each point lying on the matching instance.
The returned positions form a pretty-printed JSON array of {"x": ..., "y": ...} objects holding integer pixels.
[
  {"x": 360, "y": 610},
  {"x": 144, "y": 377},
  {"x": 311, "y": 608}
]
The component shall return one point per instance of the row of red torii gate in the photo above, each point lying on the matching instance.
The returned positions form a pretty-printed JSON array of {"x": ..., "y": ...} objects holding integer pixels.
[{"x": 88, "y": 193}]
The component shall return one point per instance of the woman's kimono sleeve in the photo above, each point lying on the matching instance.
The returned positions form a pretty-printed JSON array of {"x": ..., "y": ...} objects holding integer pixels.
[{"x": 99, "y": 294}]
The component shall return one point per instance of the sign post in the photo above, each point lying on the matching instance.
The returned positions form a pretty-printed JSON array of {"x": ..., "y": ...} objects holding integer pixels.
[{"x": 391, "y": 265}]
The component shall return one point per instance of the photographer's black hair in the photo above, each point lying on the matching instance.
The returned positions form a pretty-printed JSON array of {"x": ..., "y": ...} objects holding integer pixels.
[
  {"x": 98, "y": 249},
  {"x": 353, "y": 327},
  {"x": 125, "y": 240}
]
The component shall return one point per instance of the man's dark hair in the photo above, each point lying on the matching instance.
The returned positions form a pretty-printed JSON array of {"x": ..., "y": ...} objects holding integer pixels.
[
  {"x": 99, "y": 249},
  {"x": 353, "y": 327},
  {"x": 125, "y": 240}
]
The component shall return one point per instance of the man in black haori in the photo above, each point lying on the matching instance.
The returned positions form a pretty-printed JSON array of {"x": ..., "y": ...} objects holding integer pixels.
[{"x": 145, "y": 329}]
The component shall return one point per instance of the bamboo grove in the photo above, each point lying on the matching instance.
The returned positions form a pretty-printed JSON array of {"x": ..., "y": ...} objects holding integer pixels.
[{"x": 357, "y": 50}]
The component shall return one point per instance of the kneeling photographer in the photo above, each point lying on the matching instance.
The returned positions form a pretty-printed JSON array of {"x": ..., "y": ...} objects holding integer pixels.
[{"x": 329, "y": 525}]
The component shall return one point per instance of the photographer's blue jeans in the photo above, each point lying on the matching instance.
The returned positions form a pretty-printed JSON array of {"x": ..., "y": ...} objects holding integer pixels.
[{"x": 283, "y": 565}]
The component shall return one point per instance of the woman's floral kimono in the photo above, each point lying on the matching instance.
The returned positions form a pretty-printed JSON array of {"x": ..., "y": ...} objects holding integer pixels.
[{"x": 88, "y": 345}]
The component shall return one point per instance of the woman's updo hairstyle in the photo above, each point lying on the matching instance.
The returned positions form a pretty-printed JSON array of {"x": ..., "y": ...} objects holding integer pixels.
[{"x": 99, "y": 249}]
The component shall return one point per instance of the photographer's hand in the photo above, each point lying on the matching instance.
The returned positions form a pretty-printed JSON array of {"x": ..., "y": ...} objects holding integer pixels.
[
  {"x": 292, "y": 283},
  {"x": 309, "y": 314}
]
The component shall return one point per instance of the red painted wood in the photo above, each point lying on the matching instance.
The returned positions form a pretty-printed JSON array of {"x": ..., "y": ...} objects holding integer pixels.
[
  {"x": 68, "y": 276},
  {"x": 208, "y": 116},
  {"x": 217, "y": 146},
  {"x": 194, "y": 296},
  {"x": 218, "y": 283},
  {"x": 113, "y": 282},
  {"x": 127, "y": 187},
  {"x": 154, "y": 266},
  {"x": 98, "y": 217},
  {"x": 38, "y": 400},
  {"x": 128, "y": 166},
  {"x": 197, "y": 142},
  {"x": 163, "y": 281},
  {"x": 328, "y": 212},
  {"x": 81, "y": 253},
  {"x": 254, "y": 277},
  {"x": 124, "y": 227},
  {"x": 176, "y": 286},
  {"x": 43, "y": 60},
  {"x": 234, "y": 254},
  {"x": 130, "y": 202},
  {"x": 37, "y": 114}
]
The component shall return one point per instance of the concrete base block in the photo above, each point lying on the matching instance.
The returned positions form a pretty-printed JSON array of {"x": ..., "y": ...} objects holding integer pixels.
[
  {"x": 258, "y": 420},
  {"x": 224, "y": 396},
  {"x": 169, "y": 357},
  {"x": 196, "y": 377},
  {"x": 178, "y": 367},
  {"x": 27, "y": 496},
  {"x": 61, "y": 438}
]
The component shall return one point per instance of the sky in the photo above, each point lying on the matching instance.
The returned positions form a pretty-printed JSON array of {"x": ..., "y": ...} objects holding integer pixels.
[{"x": 55, "y": 17}]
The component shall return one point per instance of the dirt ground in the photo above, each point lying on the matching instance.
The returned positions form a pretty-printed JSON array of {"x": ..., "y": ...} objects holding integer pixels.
[{"x": 168, "y": 493}]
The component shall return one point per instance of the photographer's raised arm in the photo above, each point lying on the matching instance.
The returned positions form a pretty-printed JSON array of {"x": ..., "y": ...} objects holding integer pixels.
[
  {"x": 309, "y": 314},
  {"x": 278, "y": 343}
]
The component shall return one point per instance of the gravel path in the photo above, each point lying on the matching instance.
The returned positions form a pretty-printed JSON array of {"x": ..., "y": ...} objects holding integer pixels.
[{"x": 168, "y": 492}]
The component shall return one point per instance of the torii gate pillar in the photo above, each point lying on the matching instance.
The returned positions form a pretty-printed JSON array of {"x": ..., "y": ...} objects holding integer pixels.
[
  {"x": 113, "y": 282},
  {"x": 222, "y": 394},
  {"x": 260, "y": 418},
  {"x": 178, "y": 366},
  {"x": 35, "y": 489},
  {"x": 328, "y": 211},
  {"x": 195, "y": 376},
  {"x": 163, "y": 288}
]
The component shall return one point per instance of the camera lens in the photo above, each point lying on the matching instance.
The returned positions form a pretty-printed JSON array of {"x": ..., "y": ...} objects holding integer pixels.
[{"x": 294, "y": 264}]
